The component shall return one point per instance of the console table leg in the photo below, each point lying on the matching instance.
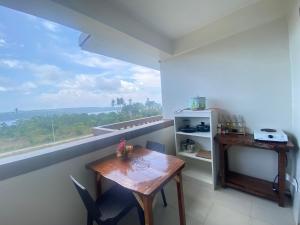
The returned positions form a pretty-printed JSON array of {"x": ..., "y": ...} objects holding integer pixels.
[
  {"x": 281, "y": 176},
  {"x": 226, "y": 164},
  {"x": 222, "y": 164}
]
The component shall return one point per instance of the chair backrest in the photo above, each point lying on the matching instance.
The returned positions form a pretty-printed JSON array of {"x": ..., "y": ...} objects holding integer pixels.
[
  {"x": 87, "y": 199},
  {"x": 156, "y": 146}
]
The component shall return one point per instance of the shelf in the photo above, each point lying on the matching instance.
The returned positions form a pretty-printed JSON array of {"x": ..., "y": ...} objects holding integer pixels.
[
  {"x": 192, "y": 113},
  {"x": 196, "y": 134},
  {"x": 193, "y": 156},
  {"x": 251, "y": 185},
  {"x": 198, "y": 174},
  {"x": 200, "y": 165}
]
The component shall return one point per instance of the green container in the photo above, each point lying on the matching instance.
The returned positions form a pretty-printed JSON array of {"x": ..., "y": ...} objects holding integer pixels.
[{"x": 198, "y": 103}]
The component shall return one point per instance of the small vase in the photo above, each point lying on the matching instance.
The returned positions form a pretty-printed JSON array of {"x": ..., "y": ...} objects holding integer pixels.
[{"x": 124, "y": 156}]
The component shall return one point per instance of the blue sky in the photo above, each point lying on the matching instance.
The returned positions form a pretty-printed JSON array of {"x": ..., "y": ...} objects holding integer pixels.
[{"x": 42, "y": 66}]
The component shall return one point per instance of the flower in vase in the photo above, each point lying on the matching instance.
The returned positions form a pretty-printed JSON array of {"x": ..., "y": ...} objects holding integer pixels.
[{"x": 121, "y": 149}]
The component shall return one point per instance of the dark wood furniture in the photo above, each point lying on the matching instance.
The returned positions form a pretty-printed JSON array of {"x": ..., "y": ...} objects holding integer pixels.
[
  {"x": 110, "y": 207},
  {"x": 144, "y": 173},
  {"x": 248, "y": 184}
]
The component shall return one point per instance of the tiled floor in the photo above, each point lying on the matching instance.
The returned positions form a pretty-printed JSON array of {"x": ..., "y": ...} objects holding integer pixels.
[{"x": 220, "y": 207}]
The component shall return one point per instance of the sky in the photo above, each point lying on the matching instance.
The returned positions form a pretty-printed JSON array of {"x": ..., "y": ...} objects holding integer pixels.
[{"x": 43, "y": 67}]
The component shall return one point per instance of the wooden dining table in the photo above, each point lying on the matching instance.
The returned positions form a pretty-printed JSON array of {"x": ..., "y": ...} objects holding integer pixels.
[{"x": 145, "y": 172}]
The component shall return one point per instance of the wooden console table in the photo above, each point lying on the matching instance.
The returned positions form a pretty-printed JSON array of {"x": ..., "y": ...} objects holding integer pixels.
[{"x": 249, "y": 184}]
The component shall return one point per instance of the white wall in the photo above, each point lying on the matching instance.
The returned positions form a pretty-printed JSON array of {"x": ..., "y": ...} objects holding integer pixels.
[
  {"x": 247, "y": 74},
  {"x": 47, "y": 196},
  {"x": 260, "y": 12},
  {"x": 294, "y": 36}
]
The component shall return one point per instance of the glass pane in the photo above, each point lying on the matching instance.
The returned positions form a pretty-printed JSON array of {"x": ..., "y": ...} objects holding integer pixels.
[{"x": 51, "y": 91}]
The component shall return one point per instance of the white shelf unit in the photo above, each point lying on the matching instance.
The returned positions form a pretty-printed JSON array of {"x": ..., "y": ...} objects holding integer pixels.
[
  {"x": 193, "y": 156},
  {"x": 203, "y": 169},
  {"x": 198, "y": 134}
]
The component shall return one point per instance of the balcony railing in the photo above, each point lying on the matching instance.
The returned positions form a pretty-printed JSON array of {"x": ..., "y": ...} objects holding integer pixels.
[
  {"x": 103, "y": 137},
  {"x": 125, "y": 125}
]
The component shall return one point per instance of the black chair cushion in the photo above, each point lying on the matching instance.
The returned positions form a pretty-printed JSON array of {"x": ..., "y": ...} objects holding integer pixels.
[{"x": 115, "y": 202}]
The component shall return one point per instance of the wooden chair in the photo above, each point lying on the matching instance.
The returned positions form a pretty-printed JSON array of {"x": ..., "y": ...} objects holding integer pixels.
[
  {"x": 110, "y": 207},
  {"x": 162, "y": 149}
]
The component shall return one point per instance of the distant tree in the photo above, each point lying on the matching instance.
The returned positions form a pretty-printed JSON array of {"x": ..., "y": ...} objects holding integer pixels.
[
  {"x": 3, "y": 125},
  {"x": 147, "y": 101},
  {"x": 113, "y": 102},
  {"x": 150, "y": 104},
  {"x": 118, "y": 101},
  {"x": 122, "y": 101},
  {"x": 39, "y": 130}
]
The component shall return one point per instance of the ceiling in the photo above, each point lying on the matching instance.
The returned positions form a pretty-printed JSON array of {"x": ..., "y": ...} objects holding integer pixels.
[
  {"x": 147, "y": 32},
  {"x": 176, "y": 18}
]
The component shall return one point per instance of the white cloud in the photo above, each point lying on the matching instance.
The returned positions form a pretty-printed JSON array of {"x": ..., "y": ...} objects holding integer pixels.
[
  {"x": 86, "y": 98},
  {"x": 75, "y": 98},
  {"x": 53, "y": 27},
  {"x": 55, "y": 37},
  {"x": 71, "y": 90},
  {"x": 31, "y": 17},
  {"x": 2, "y": 34},
  {"x": 146, "y": 77},
  {"x": 94, "y": 60},
  {"x": 46, "y": 73},
  {"x": 92, "y": 82},
  {"x": 127, "y": 87},
  {"x": 25, "y": 87},
  {"x": 94, "y": 90},
  {"x": 3, "y": 43},
  {"x": 3, "y": 89},
  {"x": 11, "y": 63},
  {"x": 148, "y": 81}
]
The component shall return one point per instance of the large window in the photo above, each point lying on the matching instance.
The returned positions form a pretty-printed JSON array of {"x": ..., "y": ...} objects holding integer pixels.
[{"x": 51, "y": 91}]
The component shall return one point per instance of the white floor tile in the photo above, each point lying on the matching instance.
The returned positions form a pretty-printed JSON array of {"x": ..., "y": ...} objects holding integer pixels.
[
  {"x": 258, "y": 222},
  {"x": 197, "y": 208},
  {"x": 205, "y": 206},
  {"x": 166, "y": 216},
  {"x": 220, "y": 215},
  {"x": 269, "y": 212},
  {"x": 194, "y": 220},
  {"x": 235, "y": 200}
]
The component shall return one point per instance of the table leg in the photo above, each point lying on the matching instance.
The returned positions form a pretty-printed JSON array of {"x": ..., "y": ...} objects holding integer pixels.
[
  {"x": 180, "y": 198},
  {"x": 147, "y": 203},
  {"x": 226, "y": 161},
  {"x": 139, "y": 199},
  {"x": 281, "y": 176},
  {"x": 222, "y": 164},
  {"x": 98, "y": 186}
]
